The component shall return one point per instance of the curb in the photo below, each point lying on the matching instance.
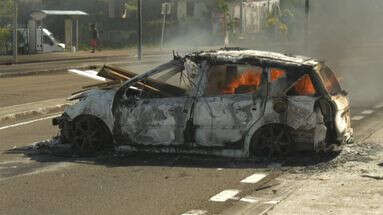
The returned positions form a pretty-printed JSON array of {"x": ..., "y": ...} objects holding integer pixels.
[
  {"x": 35, "y": 112},
  {"x": 62, "y": 59},
  {"x": 60, "y": 69},
  {"x": 42, "y": 71}
]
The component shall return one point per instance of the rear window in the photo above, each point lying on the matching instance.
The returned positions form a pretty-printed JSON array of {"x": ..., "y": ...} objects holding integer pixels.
[
  {"x": 330, "y": 81},
  {"x": 303, "y": 87}
]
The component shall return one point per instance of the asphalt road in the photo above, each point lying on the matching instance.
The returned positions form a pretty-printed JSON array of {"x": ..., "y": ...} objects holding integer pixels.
[
  {"x": 58, "y": 84},
  {"x": 138, "y": 184},
  {"x": 145, "y": 184}
]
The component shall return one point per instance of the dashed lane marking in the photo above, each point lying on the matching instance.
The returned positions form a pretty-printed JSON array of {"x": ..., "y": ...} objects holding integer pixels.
[
  {"x": 224, "y": 196},
  {"x": 357, "y": 118},
  {"x": 249, "y": 199},
  {"x": 367, "y": 112},
  {"x": 195, "y": 212},
  {"x": 273, "y": 202},
  {"x": 28, "y": 122},
  {"x": 253, "y": 179},
  {"x": 378, "y": 106}
]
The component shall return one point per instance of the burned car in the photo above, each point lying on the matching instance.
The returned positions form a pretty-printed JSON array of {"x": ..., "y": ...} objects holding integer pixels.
[{"x": 227, "y": 102}]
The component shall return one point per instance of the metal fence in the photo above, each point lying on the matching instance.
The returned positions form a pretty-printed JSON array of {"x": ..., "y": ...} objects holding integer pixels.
[{"x": 6, "y": 18}]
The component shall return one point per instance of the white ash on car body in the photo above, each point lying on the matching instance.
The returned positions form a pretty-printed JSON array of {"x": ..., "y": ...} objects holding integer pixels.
[{"x": 228, "y": 102}]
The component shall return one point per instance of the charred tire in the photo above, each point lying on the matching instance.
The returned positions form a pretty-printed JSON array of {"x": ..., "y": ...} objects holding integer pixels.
[
  {"x": 90, "y": 135},
  {"x": 272, "y": 141}
]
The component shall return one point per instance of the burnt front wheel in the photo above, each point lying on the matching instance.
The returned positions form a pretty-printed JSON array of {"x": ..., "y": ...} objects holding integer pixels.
[
  {"x": 90, "y": 135},
  {"x": 273, "y": 141}
]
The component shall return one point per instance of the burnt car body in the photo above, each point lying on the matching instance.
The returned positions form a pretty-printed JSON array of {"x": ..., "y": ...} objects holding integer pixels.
[{"x": 228, "y": 102}]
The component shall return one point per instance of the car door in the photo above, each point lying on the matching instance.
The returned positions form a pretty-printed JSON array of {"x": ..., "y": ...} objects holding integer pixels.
[
  {"x": 232, "y": 101},
  {"x": 145, "y": 119},
  {"x": 291, "y": 99},
  {"x": 153, "y": 121}
]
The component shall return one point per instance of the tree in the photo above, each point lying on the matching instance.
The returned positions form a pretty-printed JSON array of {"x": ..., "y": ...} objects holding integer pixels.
[
  {"x": 222, "y": 6},
  {"x": 6, "y": 9}
]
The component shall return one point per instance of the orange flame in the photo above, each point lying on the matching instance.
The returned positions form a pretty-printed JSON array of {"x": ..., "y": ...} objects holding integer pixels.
[
  {"x": 305, "y": 86},
  {"x": 250, "y": 77},
  {"x": 277, "y": 74}
]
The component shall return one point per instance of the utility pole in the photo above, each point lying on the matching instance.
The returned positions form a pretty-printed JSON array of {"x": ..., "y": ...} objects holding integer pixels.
[
  {"x": 165, "y": 10},
  {"x": 163, "y": 31},
  {"x": 241, "y": 17},
  {"x": 15, "y": 31},
  {"x": 139, "y": 13},
  {"x": 307, "y": 22}
]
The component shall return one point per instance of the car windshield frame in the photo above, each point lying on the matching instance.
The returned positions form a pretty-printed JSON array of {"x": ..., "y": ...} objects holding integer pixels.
[{"x": 171, "y": 65}]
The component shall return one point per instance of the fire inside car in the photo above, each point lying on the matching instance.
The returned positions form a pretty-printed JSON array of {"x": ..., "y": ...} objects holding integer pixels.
[
  {"x": 236, "y": 103},
  {"x": 233, "y": 79}
]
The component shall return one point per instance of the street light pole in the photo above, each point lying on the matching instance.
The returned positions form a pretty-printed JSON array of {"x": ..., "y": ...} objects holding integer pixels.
[
  {"x": 15, "y": 31},
  {"x": 241, "y": 17},
  {"x": 139, "y": 13},
  {"x": 307, "y": 21}
]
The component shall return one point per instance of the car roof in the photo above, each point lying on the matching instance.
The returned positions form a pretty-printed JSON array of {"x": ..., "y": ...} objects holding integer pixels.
[{"x": 238, "y": 55}]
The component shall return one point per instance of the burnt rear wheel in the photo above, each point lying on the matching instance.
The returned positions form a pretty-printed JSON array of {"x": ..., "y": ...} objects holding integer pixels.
[
  {"x": 272, "y": 141},
  {"x": 90, "y": 135}
]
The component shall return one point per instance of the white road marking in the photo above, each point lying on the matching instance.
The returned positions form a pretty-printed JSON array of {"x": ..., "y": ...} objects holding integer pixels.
[
  {"x": 249, "y": 199},
  {"x": 224, "y": 196},
  {"x": 28, "y": 122},
  {"x": 378, "y": 106},
  {"x": 253, "y": 179},
  {"x": 195, "y": 212},
  {"x": 88, "y": 74},
  {"x": 357, "y": 118},
  {"x": 367, "y": 112},
  {"x": 273, "y": 202}
]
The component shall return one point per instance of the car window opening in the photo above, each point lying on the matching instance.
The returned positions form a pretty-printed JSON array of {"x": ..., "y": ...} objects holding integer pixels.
[
  {"x": 330, "y": 81},
  {"x": 303, "y": 87},
  {"x": 233, "y": 79},
  {"x": 277, "y": 74},
  {"x": 170, "y": 83}
]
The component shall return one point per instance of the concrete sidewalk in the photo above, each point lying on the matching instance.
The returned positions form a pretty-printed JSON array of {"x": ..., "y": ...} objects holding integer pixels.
[
  {"x": 351, "y": 186},
  {"x": 33, "y": 109}
]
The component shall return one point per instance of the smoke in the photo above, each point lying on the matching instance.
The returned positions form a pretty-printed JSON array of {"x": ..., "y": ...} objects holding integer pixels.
[
  {"x": 347, "y": 34},
  {"x": 194, "y": 37}
]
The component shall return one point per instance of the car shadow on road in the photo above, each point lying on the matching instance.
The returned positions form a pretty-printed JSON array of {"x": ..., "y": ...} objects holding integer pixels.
[{"x": 113, "y": 159}]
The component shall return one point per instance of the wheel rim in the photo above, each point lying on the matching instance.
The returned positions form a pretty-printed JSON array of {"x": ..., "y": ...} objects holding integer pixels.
[
  {"x": 272, "y": 141},
  {"x": 89, "y": 136}
]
